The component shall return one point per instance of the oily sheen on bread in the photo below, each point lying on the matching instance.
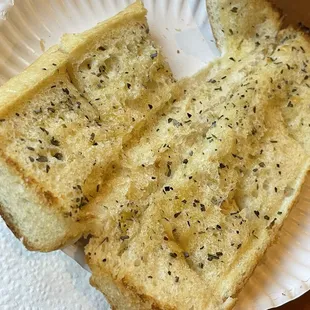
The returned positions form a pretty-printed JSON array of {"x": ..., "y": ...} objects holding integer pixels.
[
  {"x": 182, "y": 186},
  {"x": 215, "y": 177},
  {"x": 65, "y": 120}
]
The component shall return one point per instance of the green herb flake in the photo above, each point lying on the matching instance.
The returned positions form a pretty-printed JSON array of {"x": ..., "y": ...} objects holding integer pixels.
[
  {"x": 234, "y": 9},
  {"x": 173, "y": 255},
  {"x": 42, "y": 159},
  {"x": 58, "y": 156}
]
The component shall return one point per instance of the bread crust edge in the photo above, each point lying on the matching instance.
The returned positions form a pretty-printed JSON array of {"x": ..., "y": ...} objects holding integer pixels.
[
  {"x": 265, "y": 246},
  {"x": 26, "y": 242}
]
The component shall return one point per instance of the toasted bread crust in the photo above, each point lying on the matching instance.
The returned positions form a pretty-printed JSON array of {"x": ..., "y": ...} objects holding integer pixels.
[
  {"x": 9, "y": 223},
  {"x": 46, "y": 197},
  {"x": 146, "y": 299},
  {"x": 74, "y": 44},
  {"x": 275, "y": 231},
  {"x": 42, "y": 199},
  {"x": 28, "y": 244},
  {"x": 34, "y": 78},
  {"x": 222, "y": 37},
  {"x": 137, "y": 299},
  {"x": 213, "y": 26}
]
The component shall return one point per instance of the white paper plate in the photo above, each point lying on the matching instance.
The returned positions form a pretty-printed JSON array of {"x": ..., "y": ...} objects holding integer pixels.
[{"x": 178, "y": 25}]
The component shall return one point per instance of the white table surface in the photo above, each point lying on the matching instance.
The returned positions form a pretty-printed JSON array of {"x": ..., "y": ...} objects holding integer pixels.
[{"x": 31, "y": 280}]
